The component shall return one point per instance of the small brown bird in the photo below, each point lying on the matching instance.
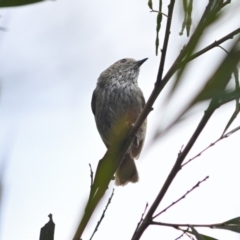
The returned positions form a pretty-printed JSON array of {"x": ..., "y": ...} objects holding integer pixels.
[{"x": 117, "y": 100}]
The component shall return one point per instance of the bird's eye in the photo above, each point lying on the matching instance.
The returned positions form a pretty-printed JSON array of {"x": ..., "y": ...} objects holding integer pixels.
[{"x": 123, "y": 60}]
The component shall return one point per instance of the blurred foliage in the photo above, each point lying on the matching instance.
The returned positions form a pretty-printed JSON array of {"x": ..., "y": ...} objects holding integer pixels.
[
  {"x": 158, "y": 27},
  {"x": 187, "y": 21},
  {"x": 215, "y": 86},
  {"x": 15, "y": 3}
]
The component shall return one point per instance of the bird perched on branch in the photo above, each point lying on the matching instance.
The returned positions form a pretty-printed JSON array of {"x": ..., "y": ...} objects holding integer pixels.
[{"x": 117, "y": 99}]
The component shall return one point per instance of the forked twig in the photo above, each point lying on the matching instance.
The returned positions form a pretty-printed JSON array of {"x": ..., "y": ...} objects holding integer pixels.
[
  {"x": 182, "y": 197},
  {"x": 184, "y": 233},
  {"x": 142, "y": 216},
  {"x": 226, "y": 135}
]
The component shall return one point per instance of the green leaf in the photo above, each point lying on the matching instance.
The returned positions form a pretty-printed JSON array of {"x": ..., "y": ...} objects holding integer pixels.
[
  {"x": 233, "y": 221},
  {"x": 235, "y": 94},
  {"x": 184, "y": 2},
  {"x": 209, "y": 16},
  {"x": 197, "y": 235},
  {"x": 231, "y": 225},
  {"x": 187, "y": 21},
  {"x": 189, "y": 17},
  {"x": 150, "y": 4},
  {"x": 205, "y": 237},
  {"x": 15, "y": 3}
]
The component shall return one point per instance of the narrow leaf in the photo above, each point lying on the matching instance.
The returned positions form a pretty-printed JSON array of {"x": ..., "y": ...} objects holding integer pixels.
[
  {"x": 184, "y": 2},
  {"x": 150, "y": 4},
  {"x": 189, "y": 17},
  {"x": 158, "y": 27},
  {"x": 231, "y": 225},
  {"x": 237, "y": 106},
  {"x": 209, "y": 16},
  {"x": 197, "y": 235},
  {"x": 233, "y": 221},
  {"x": 205, "y": 237}
]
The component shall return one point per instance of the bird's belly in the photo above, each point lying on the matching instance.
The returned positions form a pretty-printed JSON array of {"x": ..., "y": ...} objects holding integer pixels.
[{"x": 116, "y": 109}]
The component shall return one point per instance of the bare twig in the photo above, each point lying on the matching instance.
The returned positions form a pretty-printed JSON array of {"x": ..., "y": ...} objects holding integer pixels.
[
  {"x": 103, "y": 214},
  {"x": 142, "y": 217},
  {"x": 159, "y": 12},
  {"x": 176, "y": 225},
  {"x": 184, "y": 233},
  {"x": 215, "y": 44},
  {"x": 165, "y": 43},
  {"x": 223, "y": 49},
  {"x": 226, "y": 135},
  {"x": 182, "y": 197}
]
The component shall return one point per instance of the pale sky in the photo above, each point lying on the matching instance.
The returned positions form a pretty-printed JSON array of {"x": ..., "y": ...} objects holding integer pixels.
[{"x": 50, "y": 58}]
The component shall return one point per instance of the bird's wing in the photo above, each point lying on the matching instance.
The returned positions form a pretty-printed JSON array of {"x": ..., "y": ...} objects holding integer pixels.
[
  {"x": 143, "y": 101},
  {"x": 93, "y": 103},
  {"x": 138, "y": 141},
  {"x": 137, "y": 144}
]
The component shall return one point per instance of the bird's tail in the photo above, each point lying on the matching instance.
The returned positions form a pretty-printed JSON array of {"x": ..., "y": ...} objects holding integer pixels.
[{"x": 127, "y": 172}]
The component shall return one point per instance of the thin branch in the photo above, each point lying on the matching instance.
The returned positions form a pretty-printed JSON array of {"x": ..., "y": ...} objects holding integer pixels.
[
  {"x": 226, "y": 135},
  {"x": 184, "y": 233},
  {"x": 214, "y": 44},
  {"x": 182, "y": 197},
  {"x": 142, "y": 217},
  {"x": 176, "y": 225},
  {"x": 159, "y": 12},
  {"x": 103, "y": 214},
  {"x": 165, "y": 43},
  {"x": 223, "y": 49}
]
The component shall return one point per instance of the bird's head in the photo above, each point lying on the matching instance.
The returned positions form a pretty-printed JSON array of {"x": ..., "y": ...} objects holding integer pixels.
[{"x": 126, "y": 69}]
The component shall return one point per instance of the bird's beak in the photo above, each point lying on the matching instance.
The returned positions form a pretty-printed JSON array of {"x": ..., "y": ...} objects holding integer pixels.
[{"x": 140, "y": 62}]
